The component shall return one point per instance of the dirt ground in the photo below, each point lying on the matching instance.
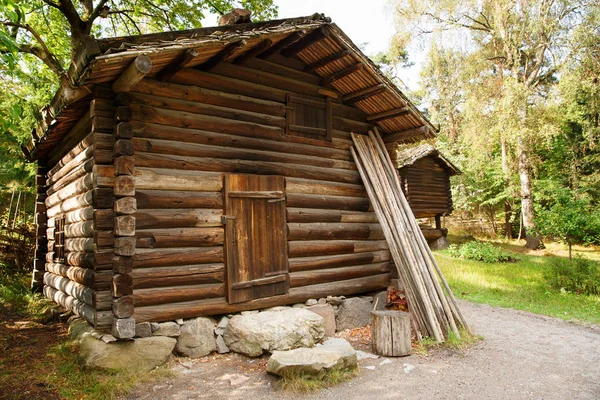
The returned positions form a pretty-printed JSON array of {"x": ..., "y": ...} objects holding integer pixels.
[
  {"x": 522, "y": 356},
  {"x": 23, "y": 356}
]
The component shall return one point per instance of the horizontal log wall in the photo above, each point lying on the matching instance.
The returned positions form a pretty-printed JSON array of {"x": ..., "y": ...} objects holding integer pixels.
[
  {"x": 188, "y": 133},
  {"x": 73, "y": 192}
]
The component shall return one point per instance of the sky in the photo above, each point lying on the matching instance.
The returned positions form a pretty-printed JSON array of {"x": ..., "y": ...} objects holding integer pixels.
[{"x": 365, "y": 22}]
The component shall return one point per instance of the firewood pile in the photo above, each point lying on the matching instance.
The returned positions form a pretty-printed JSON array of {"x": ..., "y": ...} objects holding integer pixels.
[{"x": 433, "y": 308}]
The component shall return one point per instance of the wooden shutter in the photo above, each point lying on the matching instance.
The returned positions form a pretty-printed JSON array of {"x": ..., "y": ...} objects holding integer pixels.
[{"x": 255, "y": 237}]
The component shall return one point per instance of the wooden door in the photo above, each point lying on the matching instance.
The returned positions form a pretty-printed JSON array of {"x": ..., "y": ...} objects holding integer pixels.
[{"x": 255, "y": 237}]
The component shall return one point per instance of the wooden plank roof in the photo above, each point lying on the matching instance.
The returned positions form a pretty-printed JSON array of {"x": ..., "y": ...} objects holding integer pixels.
[
  {"x": 406, "y": 155},
  {"x": 349, "y": 75}
]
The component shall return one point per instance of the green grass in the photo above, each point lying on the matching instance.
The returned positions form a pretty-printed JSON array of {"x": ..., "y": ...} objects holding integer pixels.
[
  {"x": 302, "y": 383},
  {"x": 518, "y": 285}
]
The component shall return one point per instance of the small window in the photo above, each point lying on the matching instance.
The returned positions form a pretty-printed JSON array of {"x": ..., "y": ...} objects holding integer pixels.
[
  {"x": 59, "y": 239},
  {"x": 309, "y": 117}
]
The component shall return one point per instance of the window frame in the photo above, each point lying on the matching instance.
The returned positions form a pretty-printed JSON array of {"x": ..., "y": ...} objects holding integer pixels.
[
  {"x": 324, "y": 133},
  {"x": 59, "y": 239}
]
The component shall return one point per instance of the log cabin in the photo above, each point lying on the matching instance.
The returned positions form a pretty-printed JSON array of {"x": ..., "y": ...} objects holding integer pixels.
[
  {"x": 208, "y": 171},
  {"x": 425, "y": 178}
]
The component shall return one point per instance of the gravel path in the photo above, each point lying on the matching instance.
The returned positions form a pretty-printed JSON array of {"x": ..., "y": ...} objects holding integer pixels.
[{"x": 522, "y": 356}]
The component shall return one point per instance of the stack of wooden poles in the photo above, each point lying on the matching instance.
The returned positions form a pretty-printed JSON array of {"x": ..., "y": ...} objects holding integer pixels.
[{"x": 434, "y": 311}]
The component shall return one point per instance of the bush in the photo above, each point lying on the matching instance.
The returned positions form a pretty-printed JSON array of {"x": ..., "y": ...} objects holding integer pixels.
[
  {"x": 480, "y": 251},
  {"x": 581, "y": 276}
]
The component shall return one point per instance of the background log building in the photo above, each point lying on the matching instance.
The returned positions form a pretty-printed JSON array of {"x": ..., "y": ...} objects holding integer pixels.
[{"x": 208, "y": 171}]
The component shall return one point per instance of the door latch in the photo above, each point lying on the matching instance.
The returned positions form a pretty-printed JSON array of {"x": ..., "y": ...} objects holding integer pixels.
[{"x": 225, "y": 218}]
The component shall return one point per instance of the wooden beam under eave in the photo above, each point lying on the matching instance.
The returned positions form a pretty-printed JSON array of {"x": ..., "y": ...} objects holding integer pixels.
[
  {"x": 135, "y": 72},
  {"x": 396, "y": 112},
  {"x": 407, "y": 134},
  {"x": 257, "y": 49},
  {"x": 342, "y": 74},
  {"x": 313, "y": 37},
  {"x": 221, "y": 56},
  {"x": 327, "y": 60},
  {"x": 363, "y": 94},
  {"x": 178, "y": 64},
  {"x": 282, "y": 44}
]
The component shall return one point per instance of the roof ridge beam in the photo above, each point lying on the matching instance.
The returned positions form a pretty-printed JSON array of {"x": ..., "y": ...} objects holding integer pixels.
[{"x": 327, "y": 60}]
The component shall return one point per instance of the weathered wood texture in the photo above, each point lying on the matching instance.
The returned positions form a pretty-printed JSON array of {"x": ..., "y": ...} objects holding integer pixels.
[
  {"x": 426, "y": 185},
  {"x": 391, "y": 333}
]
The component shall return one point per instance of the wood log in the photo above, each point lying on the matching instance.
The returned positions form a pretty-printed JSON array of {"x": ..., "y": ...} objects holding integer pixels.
[
  {"x": 122, "y": 285},
  {"x": 190, "y": 309},
  {"x": 308, "y": 40},
  {"x": 122, "y": 114},
  {"x": 123, "y": 147},
  {"x": 80, "y": 229},
  {"x": 281, "y": 44},
  {"x": 391, "y": 333},
  {"x": 73, "y": 289},
  {"x": 401, "y": 136},
  {"x": 125, "y": 246},
  {"x": 95, "y": 318},
  {"x": 104, "y": 219},
  {"x": 363, "y": 94},
  {"x": 305, "y": 215},
  {"x": 394, "y": 113},
  {"x": 211, "y": 97},
  {"x": 123, "y": 265},
  {"x": 124, "y": 186},
  {"x": 83, "y": 276},
  {"x": 308, "y": 248},
  {"x": 102, "y": 300},
  {"x": 334, "y": 231},
  {"x": 164, "y": 147},
  {"x": 179, "y": 237},
  {"x": 125, "y": 225},
  {"x": 122, "y": 307},
  {"x": 83, "y": 214},
  {"x": 149, "y": 258},
  {"x": 179, "y": 275},
  {"x": 223, "y": 54},
  {"x": 79, "y": 244},
  {"x": 84, "y": 145},
  {"x": 153, "y": 296},
  {"x": 257, "y": 49},
  {"x": 271, "y": 142},
  {"x": 81, "y": 185},
  {"x": 149, "y": 199},
  {"x": 314, "y": 277},
  {"x": 178, "y": 218},
  {"x": 75, "y": 161},
  {"x": 165, "y": 161},
  {"x": 73, "y": 143},
  {"x": 336, "y": 76},
  {"x": 328, "y": 202},
  {"x": 80, "y": 259},
  {"x": 135, "y": 72},
  {"x": 338, "y": 260},
  {"x": 176, "y": 65},
  {"x": 123, "y": 130},
  {"x": 172, "y": 179},
  {"x": 309, "y": 186},
  {"x": 126, "y": 205}
]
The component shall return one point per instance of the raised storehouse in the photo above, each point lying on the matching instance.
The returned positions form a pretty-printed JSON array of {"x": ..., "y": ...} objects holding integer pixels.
[
  {"x": 209, "y": 171},
  {"x": 425, "y": 178}
]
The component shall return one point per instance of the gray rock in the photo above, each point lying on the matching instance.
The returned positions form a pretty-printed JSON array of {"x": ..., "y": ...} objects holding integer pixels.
[
  {"x": 354, "y": 312},
  {"x": 298, "y": 305},
  {"x": 166, "y": 329},
  {"x": 334, "y": 353},
  {"x": 380, "y": 299},
  {"x": 325, "y": 311},
  {"x": 250, "y": 312},
  {"x": 269, "y": 331},
  {"x": 222, "y": 326},
  {"x": 196, "y": 338},
  {"x": 154, "y": 326},
  {"x": 142, "y": 353},
  {"x": 335, "y": 300},
  {"x": 143, "y": 329},
  {"x": 179, "y": 321},
  {"x": 362, "y": 355},
  {"x": 310, "y": 302},
  {"x": 123, "y": 328},
  {"x": 276, "y": 308},
  {"x": 77, "y": 328},
  {"x": 221, "y": 346},
  {"x": 439, "y": 244},
  {"x": 367, "y": 298},
  {"x": 322, "y": 300}
]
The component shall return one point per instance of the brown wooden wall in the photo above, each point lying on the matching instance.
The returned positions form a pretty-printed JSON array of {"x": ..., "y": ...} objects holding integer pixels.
[
  {"x": 187, "y": 134},
  {"x": 427, "y": 188}
]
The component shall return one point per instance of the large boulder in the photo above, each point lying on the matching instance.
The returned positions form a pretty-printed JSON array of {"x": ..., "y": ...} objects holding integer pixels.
[
  {"x": 334, "y": 353},
  {"x": 196, "y": 338},
  {"x": 354, "y": 312},
  {"x": 143, "y": 353},
  {"x": 273, "y": 330},
  {"x": 325, "y": 311}
]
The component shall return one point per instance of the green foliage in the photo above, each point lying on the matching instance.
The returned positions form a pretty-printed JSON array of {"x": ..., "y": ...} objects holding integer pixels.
[
  {"x": 302, "y": 382},
  {"x": 16, "y": 295},
  {"x": 580, "y": 275},
  {"x": 480, "y": 251},
  {"x": 567, "y": 217}
]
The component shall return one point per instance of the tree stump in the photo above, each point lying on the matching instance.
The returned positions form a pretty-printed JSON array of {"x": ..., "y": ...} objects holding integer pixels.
[{"x": 391, "y": 333}]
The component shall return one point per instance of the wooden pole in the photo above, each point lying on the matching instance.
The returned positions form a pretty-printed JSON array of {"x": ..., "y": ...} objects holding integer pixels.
[{"x": 135, "y": 72}]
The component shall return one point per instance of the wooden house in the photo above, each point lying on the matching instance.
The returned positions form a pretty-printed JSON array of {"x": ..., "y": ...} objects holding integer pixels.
[
  {"x": 425, "y": 178},
  {"x": 209, "y": 171}
]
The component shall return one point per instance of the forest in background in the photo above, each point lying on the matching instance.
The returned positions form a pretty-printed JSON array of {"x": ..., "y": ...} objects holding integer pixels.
[{"x": 513, "y": 84}]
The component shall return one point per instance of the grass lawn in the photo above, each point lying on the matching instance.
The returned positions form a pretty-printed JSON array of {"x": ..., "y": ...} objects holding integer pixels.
[{"x": 519, "y": 285}]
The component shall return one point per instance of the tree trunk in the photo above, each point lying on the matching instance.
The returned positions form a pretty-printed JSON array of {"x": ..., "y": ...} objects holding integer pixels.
[
  {"x": 508, "y": 233},
  {"x": 533, "y": 242}
]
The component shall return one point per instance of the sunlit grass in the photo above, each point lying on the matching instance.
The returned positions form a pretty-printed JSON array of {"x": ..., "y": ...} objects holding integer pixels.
[{"x": 518, "y": 285}]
